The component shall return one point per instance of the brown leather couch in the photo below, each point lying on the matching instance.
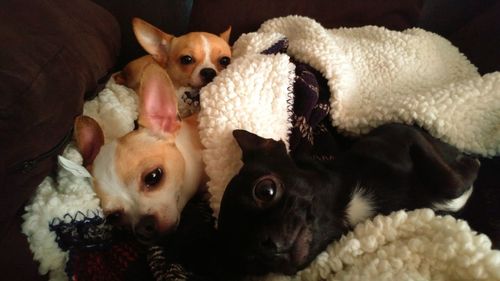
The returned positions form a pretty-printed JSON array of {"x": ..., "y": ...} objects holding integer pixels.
[{"x": 56, "y": 54}]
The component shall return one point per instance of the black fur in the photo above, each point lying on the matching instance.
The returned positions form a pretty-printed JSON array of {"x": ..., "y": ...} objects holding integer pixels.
[{"x": 401, "y": 167}]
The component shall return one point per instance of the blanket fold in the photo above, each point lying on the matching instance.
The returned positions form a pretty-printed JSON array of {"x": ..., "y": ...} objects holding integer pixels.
[{"x": 375, "y": 76}]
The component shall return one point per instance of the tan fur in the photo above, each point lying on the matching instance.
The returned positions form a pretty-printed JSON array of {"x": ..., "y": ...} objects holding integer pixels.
[
  {"x": 174, "y": 146},
  {"x": 133, "y": 169},
  {"x": 119, "y": 168},
  {"x": 151, "y": 150},
  {"x": 131, "y": 74},
  {"x": 167, "y": 50},
  {"x": 189, "y": 44}
]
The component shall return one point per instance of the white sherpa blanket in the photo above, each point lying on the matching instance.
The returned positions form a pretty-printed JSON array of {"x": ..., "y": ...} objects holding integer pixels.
[
  {"x": 375, "y": 76},
  {"x": 115, "y": 109},
  {"x": 253, "y": 94},
  {"x": 416, "y": 245}
]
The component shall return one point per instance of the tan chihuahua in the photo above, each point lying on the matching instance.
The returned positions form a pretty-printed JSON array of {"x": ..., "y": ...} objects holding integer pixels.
[
  {"x": 191, "y": 60},
  {"x": 145, "y": 178}
]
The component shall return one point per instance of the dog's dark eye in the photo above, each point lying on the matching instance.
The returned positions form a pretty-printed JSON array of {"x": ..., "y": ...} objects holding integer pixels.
[
  {"x": 225, "y": 61},
  {"x": 187, "y": 60},
  {"x": 266, "y": 190},
  {"x": 153, "y": 178}
]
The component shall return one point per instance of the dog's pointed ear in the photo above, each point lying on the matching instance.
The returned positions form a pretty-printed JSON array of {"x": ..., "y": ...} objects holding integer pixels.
[
  {"x": 251, "y": 144},
  {"x": 409, "y": 151},
  {"x": 248, "y": 141},
  {"x": 152, "y": 39},
  {"x": 444, "y": 166},
  {"x": 89, "y": 138},
  {"x": 157, "y": 101},
  {"x": 120, "y": 78},
  {"x": 226, "y": 34}
]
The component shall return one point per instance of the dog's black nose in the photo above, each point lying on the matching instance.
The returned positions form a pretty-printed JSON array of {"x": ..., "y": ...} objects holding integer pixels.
[
  {"x": 207, "y": 74},
  {"x": 269, "y": 245},
  {"x": 146, "y": 229},
  {"x": 114, "y": 217},
  {"x": 273, "y": 246}
]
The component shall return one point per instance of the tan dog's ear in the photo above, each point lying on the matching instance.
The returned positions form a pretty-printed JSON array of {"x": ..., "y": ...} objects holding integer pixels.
[
  {"x": 89, "y": 138},
  {"x": 157, "y": 101},
  {"x": 120, "y": 78},
  {"x": 226, "y": 34},
  {"x": 152, "y": 39}
]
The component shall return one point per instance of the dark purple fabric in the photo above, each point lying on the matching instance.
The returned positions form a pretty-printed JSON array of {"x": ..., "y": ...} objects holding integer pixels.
[
  {"x": 312, "y": 132},
  {"x": 99, "y": 251}
]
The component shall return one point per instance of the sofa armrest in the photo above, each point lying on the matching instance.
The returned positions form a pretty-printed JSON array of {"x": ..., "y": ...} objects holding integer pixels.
[{"x": 54, "y": 54}]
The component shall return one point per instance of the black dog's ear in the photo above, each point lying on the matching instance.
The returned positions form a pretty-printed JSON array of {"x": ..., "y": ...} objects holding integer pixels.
[
  {"x": 405, "y": 150},
  {"x": 443, "y": 166},
  {"x": 251, "y": 143},
  {"x": 247, "y": 140}
]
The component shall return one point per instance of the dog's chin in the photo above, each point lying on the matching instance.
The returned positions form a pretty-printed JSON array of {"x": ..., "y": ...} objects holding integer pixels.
[
  {"x": 156, "y": 237},
  {"x": 287, "y": 262},
  {"x": 147, "y": 241},
  {"x": 197, "y": 85}
]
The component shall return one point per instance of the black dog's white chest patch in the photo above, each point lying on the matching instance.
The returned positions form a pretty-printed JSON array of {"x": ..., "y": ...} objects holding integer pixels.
[
  {"x": 361, "y": 206},
  {"x": 453, "y": 205}
]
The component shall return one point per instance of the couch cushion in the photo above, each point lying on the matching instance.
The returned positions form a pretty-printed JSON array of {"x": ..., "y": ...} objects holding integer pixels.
[
  {"x": 53, "y": 54},
  {"x": 171, "y": 16},
  {"x": 247, "y": 15},
  {"x": 473, "y": 26}
]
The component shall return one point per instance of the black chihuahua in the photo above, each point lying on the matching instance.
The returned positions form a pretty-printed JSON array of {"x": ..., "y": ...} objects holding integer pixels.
[{"x": 278, "y": 213}]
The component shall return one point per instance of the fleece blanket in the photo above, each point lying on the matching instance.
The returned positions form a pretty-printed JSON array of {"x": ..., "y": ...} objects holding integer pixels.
[
  {"x": 68, "y": 198},
  {"x": 374, "y": 76},
  {"x": 415, "y": 245}
]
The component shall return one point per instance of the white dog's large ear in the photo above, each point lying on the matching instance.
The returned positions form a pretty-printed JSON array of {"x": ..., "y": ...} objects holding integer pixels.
[
  {"x": 226, "y": 34},
  {"x": 89, "y": 138},
  {"x": 152, "y": 39},
  {"x": 157, "y": 101}
]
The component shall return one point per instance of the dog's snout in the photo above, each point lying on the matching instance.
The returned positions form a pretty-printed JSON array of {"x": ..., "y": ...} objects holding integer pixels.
[
  {"x": 208, "y": 74},
  {"x": 272, "y": 246},
  {"x": 269, "y": 244},
  {"x": 146, "y": 229}
]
